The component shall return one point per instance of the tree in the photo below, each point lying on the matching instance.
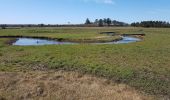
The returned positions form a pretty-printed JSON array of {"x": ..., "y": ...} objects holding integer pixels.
[
  {"x": 3, "y": 26},
  {"x": 104, "y": 21},
  {"x": 151, "y": 24},
  {"x": 22, "y": 26},
  {"x": 96, "y": 21},
  {"x": 100, "y": 22},
  {"x": 29, "y": 25},
  {"x": 108, "y": 21},
  {"x": 41, "y": 25},
  {"x": 87, "y": 21}
]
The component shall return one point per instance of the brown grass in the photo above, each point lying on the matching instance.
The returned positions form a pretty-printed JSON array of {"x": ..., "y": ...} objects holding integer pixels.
[{"x": 63, "y": 85}]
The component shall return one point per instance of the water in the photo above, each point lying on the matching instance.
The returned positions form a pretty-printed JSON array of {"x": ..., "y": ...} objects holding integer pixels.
[
  {"x": 125, "y": 40},
  {"x": 31, "y": 41}
]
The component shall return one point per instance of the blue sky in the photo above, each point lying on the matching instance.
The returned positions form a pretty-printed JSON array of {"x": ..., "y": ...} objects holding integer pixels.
[{"x": 76, "y": 11}]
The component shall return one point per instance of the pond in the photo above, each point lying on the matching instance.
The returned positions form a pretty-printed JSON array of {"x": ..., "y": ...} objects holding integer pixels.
[
  {"x": 32, "y": 41},
  {"x": 127, "y": 39}
]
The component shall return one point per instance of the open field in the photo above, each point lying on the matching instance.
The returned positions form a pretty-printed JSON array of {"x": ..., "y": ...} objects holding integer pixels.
[
  {"x": 64, "y": 34},
  {"x": 143, "y": 66},
  {"x": 63, "y": 85}
]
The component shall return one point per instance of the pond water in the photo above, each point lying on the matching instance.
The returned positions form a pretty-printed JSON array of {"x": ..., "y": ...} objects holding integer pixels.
[
  {"x": 31, "y": 41},
  {"x": 127, "y": 39}
]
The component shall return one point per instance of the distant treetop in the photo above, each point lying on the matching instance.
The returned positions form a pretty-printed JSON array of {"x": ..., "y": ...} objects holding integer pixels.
[
  {"x": 87, "y": 21},
  {"x": 105, "y": 22},
  {"x": 160, "y": 24}
]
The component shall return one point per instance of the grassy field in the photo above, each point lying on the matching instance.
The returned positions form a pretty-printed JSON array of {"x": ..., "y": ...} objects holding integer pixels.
[
  {"x": 64, "y": 34},
  {"x": 62, "y": 85},
  {"x": 143, "y": 65}
]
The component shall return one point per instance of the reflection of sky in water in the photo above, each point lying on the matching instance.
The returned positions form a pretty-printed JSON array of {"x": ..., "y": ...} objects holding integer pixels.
[
  {"x": 127, "y": 39},
  {"x": 30, "y": 41}
]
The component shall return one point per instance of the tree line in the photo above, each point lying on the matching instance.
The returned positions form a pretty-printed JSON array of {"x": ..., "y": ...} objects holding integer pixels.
[
  {"x": 5, "y": 26},
  {"x": 161, "y": 24},
  {"x": 96, "y": 23},
  {"x": 105, "y": 22}
]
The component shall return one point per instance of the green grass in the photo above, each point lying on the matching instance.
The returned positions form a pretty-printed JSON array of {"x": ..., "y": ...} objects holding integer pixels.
[
  {"x": 67, "y": 34},
  {"x": 144, "y": 65}
]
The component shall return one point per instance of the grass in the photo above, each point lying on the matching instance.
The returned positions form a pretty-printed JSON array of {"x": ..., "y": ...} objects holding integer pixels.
[
  {"x": 65, "y": 34},
  {"x": 63, "y": 85},
  {"x": 143, "y": 65}
]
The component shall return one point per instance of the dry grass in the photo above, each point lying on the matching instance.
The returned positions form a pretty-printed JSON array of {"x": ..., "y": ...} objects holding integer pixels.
[{"x": 63, "y": 85}]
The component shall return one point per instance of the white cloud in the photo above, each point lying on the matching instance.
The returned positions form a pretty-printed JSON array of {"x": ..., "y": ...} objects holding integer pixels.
[{"x": 101, "y": 1}]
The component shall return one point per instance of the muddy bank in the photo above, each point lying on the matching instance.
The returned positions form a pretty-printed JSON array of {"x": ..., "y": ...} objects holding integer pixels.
[
  {"x": 33, "y": 37},
  {"x": 63, "y": 85},
  {"x": 134, "y": 34}
]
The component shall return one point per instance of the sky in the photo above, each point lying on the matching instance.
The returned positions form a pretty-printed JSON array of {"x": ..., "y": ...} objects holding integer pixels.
[{"x": 76, "y": 11}]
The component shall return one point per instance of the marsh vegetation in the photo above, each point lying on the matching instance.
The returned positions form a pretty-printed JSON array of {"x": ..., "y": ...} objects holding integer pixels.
[{"x": 143, "y": 65}]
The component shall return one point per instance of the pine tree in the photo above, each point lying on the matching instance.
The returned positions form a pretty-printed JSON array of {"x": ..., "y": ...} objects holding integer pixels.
[
  {"x": 109, "y": 21},
  {"x": 87, "y": 21},
  {"x": 100, "y": 22}
]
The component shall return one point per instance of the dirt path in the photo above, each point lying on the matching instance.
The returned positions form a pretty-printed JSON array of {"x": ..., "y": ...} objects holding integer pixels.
[{"x": 62, "y": 85}]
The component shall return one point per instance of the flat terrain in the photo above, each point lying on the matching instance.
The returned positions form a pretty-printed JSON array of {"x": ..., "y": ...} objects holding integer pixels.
[
  {"x": 143, "y": 66},
  {"x": 63, "y": 85}
]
